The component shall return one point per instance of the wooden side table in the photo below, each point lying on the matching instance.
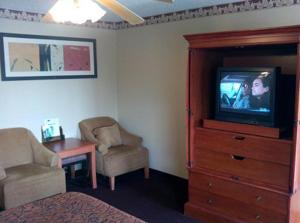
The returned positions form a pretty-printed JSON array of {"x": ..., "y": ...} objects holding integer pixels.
[{"x": 72, "y": 147}]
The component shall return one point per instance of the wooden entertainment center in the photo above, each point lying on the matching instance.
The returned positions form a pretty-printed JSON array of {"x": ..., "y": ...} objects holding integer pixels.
[{"x": 239, "y": 172}]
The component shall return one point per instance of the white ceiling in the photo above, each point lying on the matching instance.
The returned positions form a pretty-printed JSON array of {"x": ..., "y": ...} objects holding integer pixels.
[{"x": 143, "y": 8}]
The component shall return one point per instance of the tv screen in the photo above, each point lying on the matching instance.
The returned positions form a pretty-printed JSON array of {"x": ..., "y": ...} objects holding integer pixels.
[{"x": 247, "y": 95}]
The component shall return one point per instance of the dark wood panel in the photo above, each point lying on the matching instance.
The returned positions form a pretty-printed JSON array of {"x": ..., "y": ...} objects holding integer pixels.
[
  {"x": 201, "y": 99},
  {"x": 194, "y": 106},
  {"x": 295, "y": 179},
  {"x": 204, "y": 215},
  {"x": 296, "y": 152},
  {"x": 287, "y": 63},
  {"x": 242, "y": 128},
  {"x": 200, "y": 104},
  {"x": 234, "y": 209},
  {"x": 259, "y": 148},
  {"x": 187, "y": 114},
  {"x": 244, "y": 193},
  {"x": 267, "y": 172}
]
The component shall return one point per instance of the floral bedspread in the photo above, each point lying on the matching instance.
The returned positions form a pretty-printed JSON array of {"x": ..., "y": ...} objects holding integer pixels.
[{"x": 71, "y": 207}]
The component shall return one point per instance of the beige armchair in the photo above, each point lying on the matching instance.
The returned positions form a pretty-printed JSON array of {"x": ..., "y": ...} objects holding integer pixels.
[
  {"x": 28, "y": 170},
  {"x": 118, "y": 151}
]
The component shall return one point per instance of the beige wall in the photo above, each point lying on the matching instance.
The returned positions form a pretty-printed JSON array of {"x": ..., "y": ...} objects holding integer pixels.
[
  {"x": 141, "y": 81},
  {"x": 28, "y": 103},
  {"x": 152, "y": 64}
]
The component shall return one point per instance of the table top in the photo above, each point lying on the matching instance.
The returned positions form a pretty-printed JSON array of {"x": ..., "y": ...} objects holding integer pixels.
[{"x": 67, "y": 144}]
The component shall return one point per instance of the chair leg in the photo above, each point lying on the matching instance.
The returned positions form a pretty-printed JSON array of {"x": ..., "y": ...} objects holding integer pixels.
[
  {"x": 146, "y": 172},
  {"x": 112, "y": 183},
  {"x": 72, "y": 167}
]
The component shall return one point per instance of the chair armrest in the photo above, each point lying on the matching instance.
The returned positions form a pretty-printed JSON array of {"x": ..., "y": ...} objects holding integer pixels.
[
  {"x": 129, "y": 138},
  {"x": 2, "y": 173},
  {"x": 42, "y": 155}
]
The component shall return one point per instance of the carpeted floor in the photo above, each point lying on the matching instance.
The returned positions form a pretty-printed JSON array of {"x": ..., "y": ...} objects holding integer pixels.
[{"x": 159, "y": 199}]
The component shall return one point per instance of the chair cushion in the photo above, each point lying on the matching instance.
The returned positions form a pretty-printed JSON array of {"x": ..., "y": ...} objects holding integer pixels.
[
  {"x": 121, "y": 159},
  {"x": 2, "y": 173},
  {"x": 108, "y": 136},
  {"x": 29, "y": 182}
]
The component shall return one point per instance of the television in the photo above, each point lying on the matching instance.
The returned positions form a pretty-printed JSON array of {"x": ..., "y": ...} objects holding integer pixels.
[{"x": 247, "y": 95}]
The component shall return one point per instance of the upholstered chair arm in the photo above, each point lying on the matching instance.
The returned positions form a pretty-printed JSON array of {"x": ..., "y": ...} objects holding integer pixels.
[
  {"x": 42, "y": 155},
  {"x": 129, "y": 138},
  {"x": 2, "y": 173}
]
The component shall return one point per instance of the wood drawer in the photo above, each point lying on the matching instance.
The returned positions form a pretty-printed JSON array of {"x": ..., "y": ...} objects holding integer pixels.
[
  {"x": 235, "y": 209},
  {"x": 260, "y": 148},
  {"x": 244, "y": 168},
  {"x": 205, "y": 215},
  {"x": 244, "y": 193}
]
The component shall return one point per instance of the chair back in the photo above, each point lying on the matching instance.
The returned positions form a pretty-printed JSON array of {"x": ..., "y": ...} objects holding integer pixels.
[
  {"x": 88, "y": 125},
  {"x": 15, "y": 147}
]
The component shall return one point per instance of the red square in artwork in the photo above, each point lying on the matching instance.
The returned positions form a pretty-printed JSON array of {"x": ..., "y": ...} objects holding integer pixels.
[{"x": 77, "y": 58}]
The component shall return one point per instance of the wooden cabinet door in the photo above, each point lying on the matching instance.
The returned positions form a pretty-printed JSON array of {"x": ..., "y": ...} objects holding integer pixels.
[{"x": 294, "y": 216}]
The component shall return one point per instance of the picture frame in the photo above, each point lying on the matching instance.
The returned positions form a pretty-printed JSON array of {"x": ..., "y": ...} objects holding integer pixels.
[
  {"x": 35, "y": 57},
  {"x": 46, "y": 139},
  {"x": 51, "y": 130}
]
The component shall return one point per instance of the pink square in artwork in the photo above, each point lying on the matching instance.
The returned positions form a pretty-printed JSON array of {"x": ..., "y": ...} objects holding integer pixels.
[{"x": 77, "y": 58}]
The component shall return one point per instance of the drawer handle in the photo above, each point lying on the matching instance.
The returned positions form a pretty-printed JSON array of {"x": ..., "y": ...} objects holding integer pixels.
[
  {"x": 236, "y": 157},
  {"x": 257, "y": 217},
  {"x": 209, "y": 201},
  {"x": 239, "y": 137},
  {"x": 258, "y": 198},
  {"x": 210, "y": 185}
]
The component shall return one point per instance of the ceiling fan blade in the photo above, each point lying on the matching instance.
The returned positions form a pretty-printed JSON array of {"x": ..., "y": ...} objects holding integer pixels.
[
  {"x": 122, "y": 11},
  {"x": 166, "y": 1},
  {"x": 47, "y": 18}
]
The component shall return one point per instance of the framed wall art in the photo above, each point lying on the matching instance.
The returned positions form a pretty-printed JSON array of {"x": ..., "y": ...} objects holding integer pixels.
[{"x": 32, "y": 57}]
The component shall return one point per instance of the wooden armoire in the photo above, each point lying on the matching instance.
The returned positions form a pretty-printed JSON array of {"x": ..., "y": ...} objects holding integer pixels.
[{"x": 239, "y": 172}]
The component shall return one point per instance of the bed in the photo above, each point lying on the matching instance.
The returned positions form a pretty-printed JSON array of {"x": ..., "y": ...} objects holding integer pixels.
[{"x": 70, "y": 207}]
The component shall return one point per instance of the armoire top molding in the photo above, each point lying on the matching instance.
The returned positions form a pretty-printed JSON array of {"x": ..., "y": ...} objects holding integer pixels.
[{"x": 278, "y": 35}]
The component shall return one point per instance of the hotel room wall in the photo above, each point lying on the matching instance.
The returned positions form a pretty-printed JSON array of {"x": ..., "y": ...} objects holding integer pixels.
[
  {"x": 28, "y": 103},
  {"x": 152, "y": 66}
]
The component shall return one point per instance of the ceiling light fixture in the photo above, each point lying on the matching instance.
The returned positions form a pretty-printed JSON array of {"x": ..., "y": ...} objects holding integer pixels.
[{"x": 76, "y": 11}]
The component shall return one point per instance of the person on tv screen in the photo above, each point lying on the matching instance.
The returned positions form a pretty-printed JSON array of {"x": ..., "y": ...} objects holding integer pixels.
[
  {"x": 242, "y": 100},
  {"x": 261, "y": 93}
]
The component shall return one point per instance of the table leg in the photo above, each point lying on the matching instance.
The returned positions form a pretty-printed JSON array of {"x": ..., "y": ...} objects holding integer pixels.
[{"x": 93, "y": 168}]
